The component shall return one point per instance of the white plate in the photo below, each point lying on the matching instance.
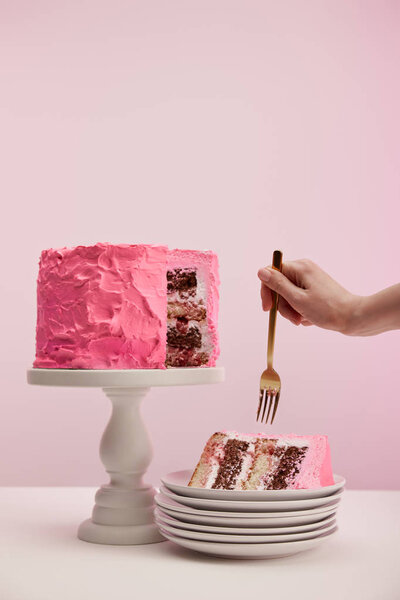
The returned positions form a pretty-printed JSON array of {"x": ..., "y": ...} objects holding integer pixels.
[
  {"x": 249, "y": 551},
  {"x": 233, "y": 519},
  {"x": 162, "y": 516},
  {"x": 243, "y": 539},
  {"x": 272, "y": 520},
  {"x": 252, "y": 506},
  {"x": 177, "y": 482}
]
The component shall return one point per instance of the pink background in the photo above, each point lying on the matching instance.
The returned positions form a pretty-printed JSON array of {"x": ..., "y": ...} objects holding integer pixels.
[{"x": 236, "y": 126}]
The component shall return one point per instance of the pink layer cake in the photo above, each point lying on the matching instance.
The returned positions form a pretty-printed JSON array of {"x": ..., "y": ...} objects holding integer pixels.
[
  {"x": 249, "y": 461},
  {"x": 126, "y": 307}
]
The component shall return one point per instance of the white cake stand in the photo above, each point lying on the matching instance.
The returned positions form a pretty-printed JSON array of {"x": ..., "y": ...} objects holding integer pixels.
[{"x": 123, "y": 511}]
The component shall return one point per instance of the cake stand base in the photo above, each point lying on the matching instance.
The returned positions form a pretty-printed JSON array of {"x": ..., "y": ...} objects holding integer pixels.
[
  {"x": 119, "y": 534},
  {"x": 123, "y": 511}
]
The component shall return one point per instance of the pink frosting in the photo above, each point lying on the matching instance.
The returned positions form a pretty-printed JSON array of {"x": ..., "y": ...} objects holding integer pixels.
[
  {"x": 105, "y": 306},
  {"x": 316, "y": 469}
]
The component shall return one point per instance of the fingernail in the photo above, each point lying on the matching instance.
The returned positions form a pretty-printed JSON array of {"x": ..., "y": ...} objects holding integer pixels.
[{"x": 265, "y": 274}]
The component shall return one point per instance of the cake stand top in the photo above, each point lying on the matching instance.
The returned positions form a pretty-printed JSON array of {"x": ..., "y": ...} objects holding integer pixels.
[{"x": 126, "y": 377}]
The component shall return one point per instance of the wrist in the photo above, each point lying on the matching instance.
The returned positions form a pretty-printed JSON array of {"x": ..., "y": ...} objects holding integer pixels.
[{"x": 356, "y": 316}]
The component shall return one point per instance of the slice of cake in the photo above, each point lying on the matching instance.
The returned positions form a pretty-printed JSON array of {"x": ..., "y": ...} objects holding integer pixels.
[
  {"x": 126, "y": 307},
  {"x": 247, "y": 461}
]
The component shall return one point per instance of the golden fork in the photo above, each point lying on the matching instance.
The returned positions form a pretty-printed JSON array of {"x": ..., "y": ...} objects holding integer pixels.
[{"x": 270, "y": 383}]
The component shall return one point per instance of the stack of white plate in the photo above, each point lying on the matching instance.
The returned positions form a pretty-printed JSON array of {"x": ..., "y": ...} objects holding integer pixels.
[{"x": 246, "y": 524}]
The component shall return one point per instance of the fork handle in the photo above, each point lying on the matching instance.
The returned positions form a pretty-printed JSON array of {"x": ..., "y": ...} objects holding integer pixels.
[{"x": 276, "y": 264}]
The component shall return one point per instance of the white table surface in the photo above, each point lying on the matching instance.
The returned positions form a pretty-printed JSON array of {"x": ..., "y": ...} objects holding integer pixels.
[{"x": 42, "y": 559}]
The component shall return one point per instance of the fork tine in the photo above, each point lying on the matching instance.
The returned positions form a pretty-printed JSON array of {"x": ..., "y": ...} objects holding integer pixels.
[
  {"x": 264, "y": 396},
  {"x": 275, "y": 406},
  {"x": 260, "y": 403},
  {"x": 271, "y": 397},
  {"x": 266, "y": 402}
]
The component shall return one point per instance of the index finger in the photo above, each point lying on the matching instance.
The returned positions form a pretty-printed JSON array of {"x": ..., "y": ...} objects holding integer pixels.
[{"x": 266, "y": 297}]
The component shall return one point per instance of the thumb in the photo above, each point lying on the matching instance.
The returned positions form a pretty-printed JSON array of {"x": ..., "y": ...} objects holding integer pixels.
[{"x": 280, "y": 284}]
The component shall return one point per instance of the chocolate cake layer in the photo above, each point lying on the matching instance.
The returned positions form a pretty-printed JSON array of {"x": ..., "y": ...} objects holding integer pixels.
[
  {"x": 184, "y": 339},
  {"x": 182, "y": 324},
  {"x": 186, "y": 357},
  {"x": 231, "y": 465},
  {"x": 181, "y": 280},
  {"x": 288, "y": 467}
]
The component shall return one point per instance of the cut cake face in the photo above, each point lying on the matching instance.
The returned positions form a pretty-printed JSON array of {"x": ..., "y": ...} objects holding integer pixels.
[
  {"x": 236, "y": 461},
  {"x": 126, "y": 307},
  {"x": 191, "y": 309}
]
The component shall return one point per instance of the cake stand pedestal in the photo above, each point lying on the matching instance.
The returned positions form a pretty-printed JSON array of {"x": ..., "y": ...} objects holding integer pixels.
[{"x": 123, "y": 511}]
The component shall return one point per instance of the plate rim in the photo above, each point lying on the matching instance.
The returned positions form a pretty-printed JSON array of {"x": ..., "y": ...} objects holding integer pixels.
[
  {"x": 248, "y": 530},
  {"x": 253, "y": 523},
  {"x": 232, "y": 514},
  {"x": 185, "y": 533},
  {"x": 265, "y": 495},
  {"x": 185, "y": 501},
  {"x": 244, "y": 531},
  {"x": 296, "y": 544}
]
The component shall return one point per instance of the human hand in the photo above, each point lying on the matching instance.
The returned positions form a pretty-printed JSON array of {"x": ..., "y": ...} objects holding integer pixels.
[{"x": 309, "y": 296}]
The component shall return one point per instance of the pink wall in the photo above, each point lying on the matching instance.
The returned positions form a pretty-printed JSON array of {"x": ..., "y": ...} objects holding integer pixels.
[{"x": 236, "y": 126}]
